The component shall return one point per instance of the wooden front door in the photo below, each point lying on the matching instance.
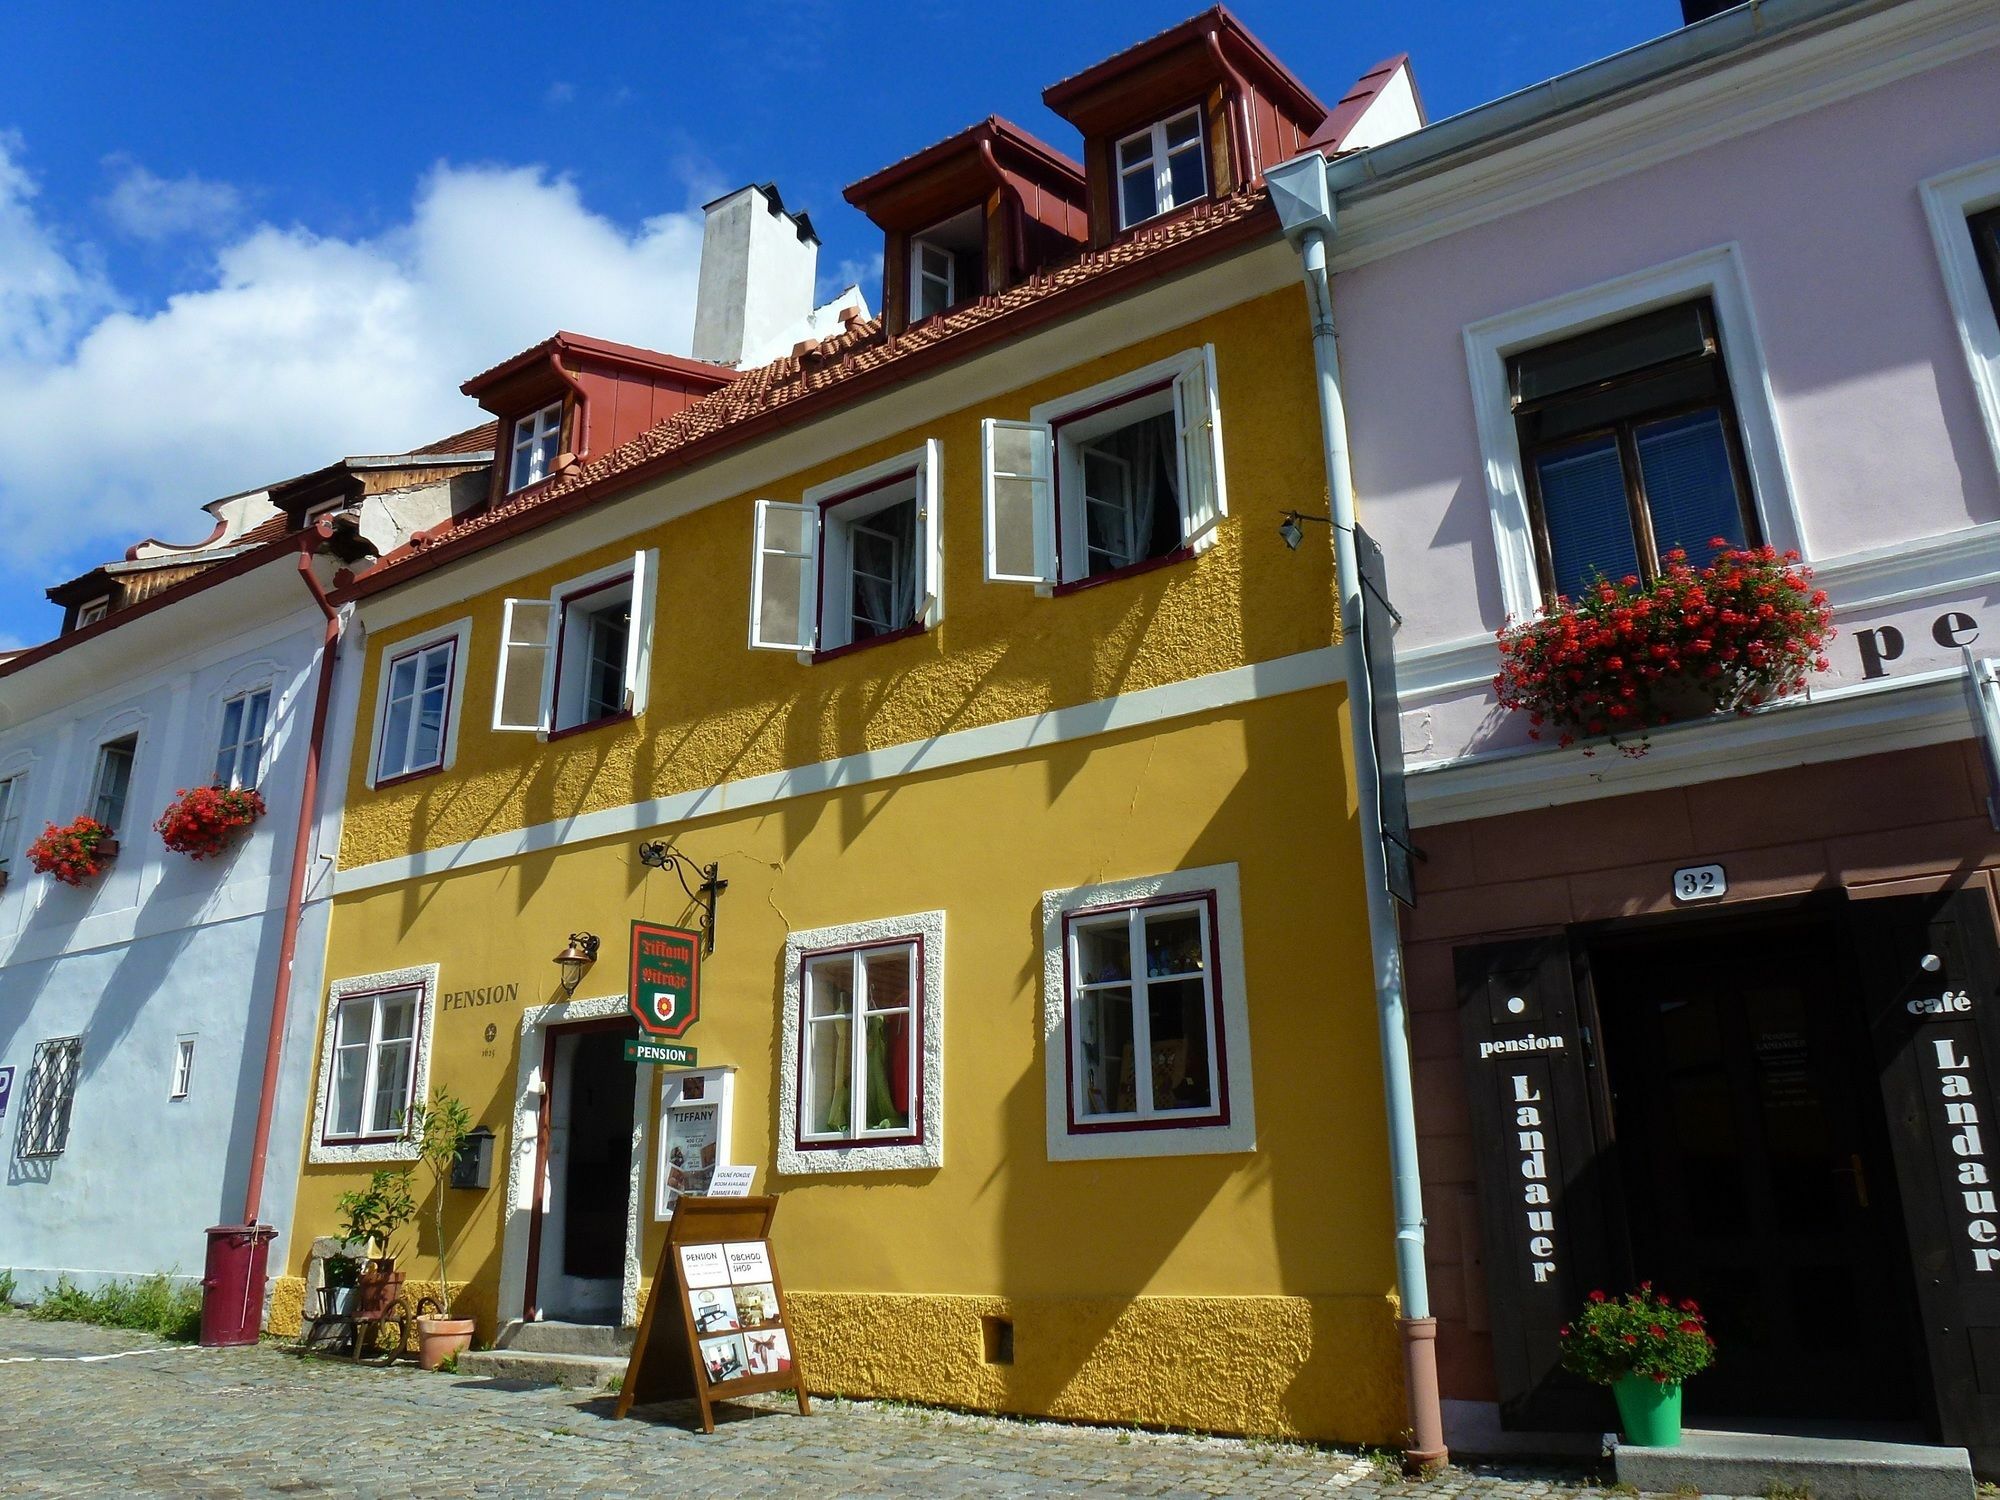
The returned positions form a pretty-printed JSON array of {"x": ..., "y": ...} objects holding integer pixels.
[{"x": 1752, "y": 1156}]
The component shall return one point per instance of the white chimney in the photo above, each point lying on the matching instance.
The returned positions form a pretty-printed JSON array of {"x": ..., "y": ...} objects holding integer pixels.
[{"x": 757, "y": 267}]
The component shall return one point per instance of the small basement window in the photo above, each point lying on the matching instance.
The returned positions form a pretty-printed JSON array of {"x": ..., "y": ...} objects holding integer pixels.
[
  {"x": 947, "y": 264},
  {"x": 537, "y": 439},
  {"x": 1161, "y": 167}
]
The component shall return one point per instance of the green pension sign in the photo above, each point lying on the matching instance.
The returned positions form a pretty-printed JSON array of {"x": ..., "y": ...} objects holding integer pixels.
[
  {"x": 666, "y": 978},
  {"x": 667, "y": 1054}
]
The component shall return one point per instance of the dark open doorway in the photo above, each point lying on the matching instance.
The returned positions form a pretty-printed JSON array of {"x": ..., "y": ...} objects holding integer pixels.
[
  {"x": 1751, "y": 1154},
  {"x": 577, "y": 1241}
]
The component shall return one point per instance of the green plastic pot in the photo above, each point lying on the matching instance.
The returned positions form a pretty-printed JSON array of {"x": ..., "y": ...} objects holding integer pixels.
[{"x": 1649, "y": 1411}]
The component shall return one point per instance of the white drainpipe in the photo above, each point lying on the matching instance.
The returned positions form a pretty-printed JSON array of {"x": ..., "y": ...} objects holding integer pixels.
[{"x": 1305, "y": 207}]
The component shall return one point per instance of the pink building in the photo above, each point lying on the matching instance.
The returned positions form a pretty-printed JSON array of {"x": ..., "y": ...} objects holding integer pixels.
[{"x": 1721, "y": 1015}]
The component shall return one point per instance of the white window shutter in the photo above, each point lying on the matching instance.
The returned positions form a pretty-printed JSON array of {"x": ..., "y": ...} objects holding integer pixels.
[
  {"x": 930, "y": 534},
  {"x": 639, "y": 634},
  {"x": 520, "y": 701},
  {"x": 784, "y": 578},
  {"x": 1198, "y": 428},
  {"x": 1018, "y": 464}
]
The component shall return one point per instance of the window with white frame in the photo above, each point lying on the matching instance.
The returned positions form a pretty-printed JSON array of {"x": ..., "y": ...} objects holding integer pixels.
[
  {"x": 1161, "y": 167},
  {"x": 239, "y": 755},
  {"x": 13, "y": 790},
  {"x": 90, "y": 612},
  {"x": 416, "y": 710},
  {"x": 857, "y": 561},
  {"x": 183, "y": 1074},
  {"x": 946, "y": 264},
  {"x": 374, "y": 1064},
  {"x": 537, "y": 439},
  {"x": 582, "y": 656},
  {"x": 50, "y": 1093},
  {"x": 1963, "y": 209},
  {"x": 1124, "y": 474},
  {"x": 112, "y": 784},
  {"x": 862, "y": 1068},
  {"x": 1149, "y": 1040}
]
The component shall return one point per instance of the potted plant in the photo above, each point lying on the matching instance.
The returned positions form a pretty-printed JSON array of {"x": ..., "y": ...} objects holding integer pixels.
[
  {"x": 75, "y": 851},
  {"x": 374, "y": 1215},
  {"x": 1623, "y": 658},
  {"x": 341, "y": 1272},
  {"x": 439, "y": 1129},
  {"x": 203, "y": 821},
  {"x": 1643, "y": 1345}
]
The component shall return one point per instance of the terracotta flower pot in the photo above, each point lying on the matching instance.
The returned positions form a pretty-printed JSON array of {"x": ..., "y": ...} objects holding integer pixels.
[
  {"x": 377, "y": 1289},
  {"x": 439, "y": 1339}
]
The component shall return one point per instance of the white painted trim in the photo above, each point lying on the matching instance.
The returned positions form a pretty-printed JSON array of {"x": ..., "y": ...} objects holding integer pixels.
[
  {"x": 424, "y": 978},
  {"x": 1240, "y": 1133},
  {"x": 1868, "y": 718},
  {"x": 1653, "y": 121},
  {"x": 928, "y": 926},
  {"x": 1176, "y": 700},
  {"x": 524, "y": 1139},
  {"x": 927, "y": 463},
  {"x": 1715, "y": 273},
  {"x": 1949, "y": 199},
  {"x": 459, "y": 632}
]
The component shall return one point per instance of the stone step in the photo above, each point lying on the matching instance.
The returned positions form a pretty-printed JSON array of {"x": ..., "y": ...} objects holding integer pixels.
[
  {"x": 1755, "y": 1463},
  {"x": 588, "y": 1371},
  {"x": 554, "y": 1337}
]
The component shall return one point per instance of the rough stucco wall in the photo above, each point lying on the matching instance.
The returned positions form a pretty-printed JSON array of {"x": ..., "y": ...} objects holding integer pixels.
[
  {"x": 720, "y": 711},
  {"x": 284, "y": 1315},
  {"x": 1303, "y": 1219},
  {"x": 1309, "y": 1367}
]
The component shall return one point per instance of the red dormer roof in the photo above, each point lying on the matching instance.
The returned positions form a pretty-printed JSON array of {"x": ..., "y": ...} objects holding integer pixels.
[
  {"x": 693, "y": 372},
  {"x": 916, "y": 191},
  {"x": 1175, "y": 65}
]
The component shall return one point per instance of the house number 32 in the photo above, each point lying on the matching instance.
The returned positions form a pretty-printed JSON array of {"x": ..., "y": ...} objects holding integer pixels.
[{"x": 1700, "y": 883}]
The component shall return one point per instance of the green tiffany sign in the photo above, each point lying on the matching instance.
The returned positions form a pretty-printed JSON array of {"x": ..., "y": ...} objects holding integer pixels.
[{"x": 666, "y": 978}]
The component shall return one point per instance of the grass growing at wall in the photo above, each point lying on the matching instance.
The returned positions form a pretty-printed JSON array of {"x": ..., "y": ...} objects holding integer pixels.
[
  {"x": 7, "y": 1287},
  {"x": 152, "y": 1304}
]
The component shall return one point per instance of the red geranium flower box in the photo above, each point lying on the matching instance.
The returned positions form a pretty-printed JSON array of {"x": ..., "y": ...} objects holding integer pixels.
[
  {"x": 203, "y": 821},
  {"x": 1626, "y": 657},
  {"x": 75, "y": 851}
]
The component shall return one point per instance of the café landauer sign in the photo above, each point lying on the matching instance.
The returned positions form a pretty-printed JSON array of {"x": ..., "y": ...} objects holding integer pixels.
[{"x": 666, "y": 978}]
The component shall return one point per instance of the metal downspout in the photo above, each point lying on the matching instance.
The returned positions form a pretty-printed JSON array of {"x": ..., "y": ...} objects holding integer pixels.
[
  {"x": 281, "y": 994},
  {"x": 1426, "y": 1441}
]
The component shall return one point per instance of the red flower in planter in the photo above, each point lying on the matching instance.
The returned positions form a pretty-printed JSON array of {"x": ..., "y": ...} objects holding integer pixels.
[
  {"x": 201, "y": 822},
  {"x": 73, "y": 852},
  {"x": 1625, "y": 657}
]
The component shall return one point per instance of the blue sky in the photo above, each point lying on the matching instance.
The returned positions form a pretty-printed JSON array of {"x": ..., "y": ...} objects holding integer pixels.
[{"x": 238, "y": 241}]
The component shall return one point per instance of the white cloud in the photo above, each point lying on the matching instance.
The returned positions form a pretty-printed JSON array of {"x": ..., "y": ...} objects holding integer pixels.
[
  {"x": 148, "y": 207},
  {"x": 559, "y": 93},
  {"x": 294, "y": 350}
]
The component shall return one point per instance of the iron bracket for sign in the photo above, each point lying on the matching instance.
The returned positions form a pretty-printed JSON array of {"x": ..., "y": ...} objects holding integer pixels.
[{"x": 659, "y": 856}]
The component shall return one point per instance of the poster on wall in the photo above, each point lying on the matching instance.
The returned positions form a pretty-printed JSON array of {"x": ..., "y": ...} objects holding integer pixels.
[
  {"x": 714, "y": 1325},
  {"x": 693, "y": 1136}
]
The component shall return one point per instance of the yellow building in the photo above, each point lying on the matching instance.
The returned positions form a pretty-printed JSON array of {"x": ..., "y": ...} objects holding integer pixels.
[{"x": 964, "y": 644}]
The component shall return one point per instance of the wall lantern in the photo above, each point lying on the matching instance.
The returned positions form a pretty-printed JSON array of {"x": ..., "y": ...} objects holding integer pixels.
[
  {"x": 657, "y": 855},
  {"x": 574, "y": 959},
  {"x": 472, "y": 1167},
  {"x": 1292, "y": 533}
]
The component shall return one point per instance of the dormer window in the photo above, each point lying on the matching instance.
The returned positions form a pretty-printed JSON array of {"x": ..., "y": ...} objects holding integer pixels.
[
  {"x": 945, "y": 267},
  {"x": 536, "y": 441},
  {"x": 1160, "y": 168},
  {"x": 92, "y": 612}
]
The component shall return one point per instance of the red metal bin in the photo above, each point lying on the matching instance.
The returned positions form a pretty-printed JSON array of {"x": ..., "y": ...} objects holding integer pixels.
[{"x": 232, "y": 1289}]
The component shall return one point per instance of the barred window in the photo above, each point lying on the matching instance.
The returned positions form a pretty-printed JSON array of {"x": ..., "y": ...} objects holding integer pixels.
[{"x": 51, "y": 1088}]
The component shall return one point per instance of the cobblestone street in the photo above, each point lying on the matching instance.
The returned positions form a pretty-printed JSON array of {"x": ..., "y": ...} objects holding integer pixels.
[{"x": 90, "y": 1411}]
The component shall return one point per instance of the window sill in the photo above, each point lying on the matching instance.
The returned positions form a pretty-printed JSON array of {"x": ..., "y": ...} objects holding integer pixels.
[
  {"x": 1166, "y": 216},
  {"x": 623, "y": 716},
  {"x": 1166, "y": 560},
  {"x": 403, "y": 776},
  {"x": 860, "y": 1143},
  {"x": 1212, "y": 1121},
  {"x": 914, "y": 628}
]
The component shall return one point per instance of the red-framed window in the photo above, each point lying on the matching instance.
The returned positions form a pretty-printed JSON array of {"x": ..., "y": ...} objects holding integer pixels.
[
  {"x": 372, "y": 1066},
  {"x": 861, "y": 1045},
  {"x": 1143, "y": 1012}
]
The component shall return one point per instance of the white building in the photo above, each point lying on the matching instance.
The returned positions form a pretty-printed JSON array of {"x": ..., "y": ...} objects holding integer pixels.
[{"x": 135, "y": 1006}]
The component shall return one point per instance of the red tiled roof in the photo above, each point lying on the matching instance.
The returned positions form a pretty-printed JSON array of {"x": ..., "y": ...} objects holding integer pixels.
[
  {"x": 264, "y": 531},
  {"x": 1279, "y": 79},
  {"x": 1354, "y": 103},
  {"x": 992, "y": 128},
  {"x": 478, "y": 439},
  {"x": 844, "y": 367}
]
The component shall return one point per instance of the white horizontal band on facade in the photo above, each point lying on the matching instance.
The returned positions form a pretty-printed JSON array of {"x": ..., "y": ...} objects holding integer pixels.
[
  {"x": 1906, "y": 713},
  {"x": 1175, "y": 700}
]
